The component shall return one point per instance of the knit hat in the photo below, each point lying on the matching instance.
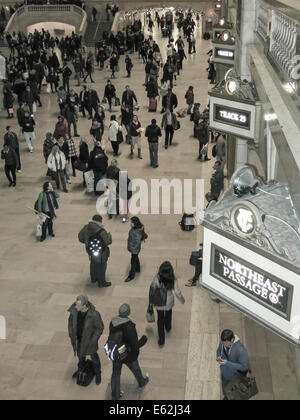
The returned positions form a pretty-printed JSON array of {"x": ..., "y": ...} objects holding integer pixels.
[{"x": 124, "y": 310}]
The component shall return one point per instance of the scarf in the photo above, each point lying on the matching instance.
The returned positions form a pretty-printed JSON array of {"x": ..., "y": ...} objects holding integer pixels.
[{"x": 50, "y": 204}]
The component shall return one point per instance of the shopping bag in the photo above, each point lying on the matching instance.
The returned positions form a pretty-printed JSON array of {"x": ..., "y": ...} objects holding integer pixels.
[
  {"x": 34, "y": 107},
  {"x": 89, "y": 179}
]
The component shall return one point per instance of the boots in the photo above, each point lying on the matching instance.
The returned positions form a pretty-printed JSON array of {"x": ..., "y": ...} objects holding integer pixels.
[
  {"x": 131, "y": 153},
  {"x": 140, "y": 153}
]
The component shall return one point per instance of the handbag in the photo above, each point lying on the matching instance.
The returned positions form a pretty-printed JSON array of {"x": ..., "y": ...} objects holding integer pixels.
[
  {"x": 241, "y": 387},
  {"x": 178, "y": 126},
  {"x": 150, "y": 314},
  {"x": 79, "y": 165},
  {"x": 158, "y": 296},
  {"x": 195, "y": 257},
  {"x": 120, "y": 137}
]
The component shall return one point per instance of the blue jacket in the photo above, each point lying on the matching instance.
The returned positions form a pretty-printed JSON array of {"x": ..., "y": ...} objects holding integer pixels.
[{"x": 230, "y": 369}]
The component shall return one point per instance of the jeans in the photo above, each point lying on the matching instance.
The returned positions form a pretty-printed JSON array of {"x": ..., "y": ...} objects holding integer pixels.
[
  {"x": 29, "y": 137},
  {"x": 98, "y": 176},
  {"x": 115, "y": 146},
  {"x": 66, "y": 84},
  {"x": 72, "y": 122},
  {"x": 10, "y": 169},
  {"x": 135, "y": 266},
  {"x": 169, "y": 135},
  {"x": 164, "y": 321},
  {"x": 153, "y": 150},
  {"x": 95, "y": 359},
  {"x": 116, "y": 376},
  {"x": 47, "y": 224},
  {"x": 60, "y": 179},
  {"x": 97, "y": 271}
]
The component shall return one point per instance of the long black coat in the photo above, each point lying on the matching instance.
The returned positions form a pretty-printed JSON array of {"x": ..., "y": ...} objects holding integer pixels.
[{"x": 92, "y": 331}]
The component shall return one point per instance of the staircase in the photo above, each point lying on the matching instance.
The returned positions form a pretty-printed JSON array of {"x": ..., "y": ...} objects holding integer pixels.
[{"x": 94, "y": 31}]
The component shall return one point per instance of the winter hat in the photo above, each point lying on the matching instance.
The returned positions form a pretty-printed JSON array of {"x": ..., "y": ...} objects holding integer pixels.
[{"x": 124, "y": 310}]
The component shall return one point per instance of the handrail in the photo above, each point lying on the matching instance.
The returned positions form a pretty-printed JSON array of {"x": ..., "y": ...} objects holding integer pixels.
[{"x": 50, "y": 8}]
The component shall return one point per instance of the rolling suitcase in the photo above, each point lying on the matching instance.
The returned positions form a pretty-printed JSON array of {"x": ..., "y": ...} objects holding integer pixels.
[{"x": 152, "y": 105}]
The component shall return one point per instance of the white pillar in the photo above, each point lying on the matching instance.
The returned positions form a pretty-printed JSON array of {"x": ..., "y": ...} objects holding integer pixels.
[
  {"x": 247, "y": 36},
  {"x": 241, "y": 155}
]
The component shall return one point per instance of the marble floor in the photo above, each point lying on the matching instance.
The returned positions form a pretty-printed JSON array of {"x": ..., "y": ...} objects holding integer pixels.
[{"x": 38, "y": 282}]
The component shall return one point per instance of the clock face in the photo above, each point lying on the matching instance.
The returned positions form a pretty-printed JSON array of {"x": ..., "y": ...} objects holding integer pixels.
[{"x": 244, "y": 220}]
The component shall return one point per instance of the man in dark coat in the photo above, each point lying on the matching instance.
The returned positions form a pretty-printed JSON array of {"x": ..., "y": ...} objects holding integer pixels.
[
  {"x": 128, "y": 97},
  {"x": 152, "y": 133},
  {"x": 130, "y": 339},
  {"x": 91, "y": 101},
  {"x": 109, "y": 93},
  {"x": 95, "y": 229},
  {"x": 11, "y": 162},
  {"x": 85, "y": 329},
  {"x": 98, "y": 163},
  {"x": 217, "y": 180},
  {"x": 11, "y": 140},
  {"x": 169, "y": 124}
]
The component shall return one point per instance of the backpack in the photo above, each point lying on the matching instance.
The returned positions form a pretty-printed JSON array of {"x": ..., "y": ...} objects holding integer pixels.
[
  {"x": 214, "y": 151},
  {"x": 187, "y": 222},
  {"x": 96, "y": 246},
  {"x": 115, "y": 348},
  {"x": 85, "y": 373}
]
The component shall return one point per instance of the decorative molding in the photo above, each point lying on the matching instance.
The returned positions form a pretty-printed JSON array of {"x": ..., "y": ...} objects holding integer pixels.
[
  {"x": 283, "y": 42},
  {"x": 262, "y": 21}
]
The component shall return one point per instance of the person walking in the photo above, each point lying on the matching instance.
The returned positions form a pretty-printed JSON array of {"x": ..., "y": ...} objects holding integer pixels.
[
  {"x": 221, "y": 150},
  {"x": 98, "y": 163},
  {"x": 169, "y": 124},
  {"x": 96, "y": 130},
  {"x": 10, "y": 157},
  {"x": 71, "y": 115},
  {"x": 61, "y": 128},
  {"x": 190, "y": 99},
  {"x": 153, "y": 132},
  {"x": 84, "y": 156},
  {"x": 28, "y": 124},
  {"x": 89, "y": 67},
  {"x": 109, "y": 93},
  {"x": 114, "y": 65},
  {"x": 128, "y": 97},
  {"x": 166, "y": 280},
  {"x": 232, "y": 358},
  {"x": 129, "y": 65},
  {"x": 123, "y": 323},
  {"x": 95, "y": 232},
  {"x": 47, "y": 148},
  {"x": 136, "y": 136},
  {"x": 136, "y": 236},
  {"x": 113, "y": 129},
  {"x": 47, "y": 204},
  {"x": 11, "y": 140},
  {"x": 56, "y": 163},
  {"x": 217, "y": 180},
  {"x": 72, "y": 154},
  {"x": 85, "y": 327}
]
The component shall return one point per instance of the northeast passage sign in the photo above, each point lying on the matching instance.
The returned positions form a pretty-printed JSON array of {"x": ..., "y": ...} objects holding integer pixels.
[
  {"x": 223, "y": 53},
  {"x": 252, "y": 281}
]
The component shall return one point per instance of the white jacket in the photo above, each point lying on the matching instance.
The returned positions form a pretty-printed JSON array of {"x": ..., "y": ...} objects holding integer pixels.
[
  {"x": 113, "y": 130},
  {"x": 57, "y": 161}
]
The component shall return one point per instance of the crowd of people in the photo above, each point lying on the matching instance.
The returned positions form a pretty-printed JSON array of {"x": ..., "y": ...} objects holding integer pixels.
[{"x": 39, "y": 60}]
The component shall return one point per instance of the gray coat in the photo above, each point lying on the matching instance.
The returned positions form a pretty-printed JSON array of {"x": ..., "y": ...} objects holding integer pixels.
[
  {"x": 135, "y": 240},
  {"x": 170, "y": 296},
  {"x": 92, "y": 331},
  {"x": 91, "y": 229}
]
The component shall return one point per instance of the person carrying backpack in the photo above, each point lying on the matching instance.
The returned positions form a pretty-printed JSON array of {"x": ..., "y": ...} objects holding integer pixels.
[
  {"x": 85, "y": 328},
  {"x": 96, "y": 241},
  {"x": 136, "y": 236},
  {"x": 162, "y": 298},
  {"x": 123, "y": 334}
]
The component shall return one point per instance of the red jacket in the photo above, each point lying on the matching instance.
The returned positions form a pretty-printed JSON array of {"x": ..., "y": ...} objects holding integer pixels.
[
  {"x": 61, "y": 129},
  {"x": 189, "y": 96}
]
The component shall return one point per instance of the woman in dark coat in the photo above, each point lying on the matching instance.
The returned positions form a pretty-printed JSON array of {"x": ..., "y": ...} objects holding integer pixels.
[
  {"x": 8, "y": 99},
  {"x": 84, "y": 155},
  {"x": 113, "y": 62},
  {"x": 135, "y": 238}
]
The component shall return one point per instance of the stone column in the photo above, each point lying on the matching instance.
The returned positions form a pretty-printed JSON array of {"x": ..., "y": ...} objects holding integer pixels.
[
  {"x": 247, "y": 36},
  {"x": 241, "y": 153}
]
